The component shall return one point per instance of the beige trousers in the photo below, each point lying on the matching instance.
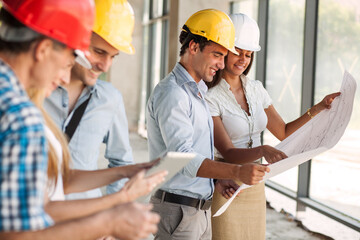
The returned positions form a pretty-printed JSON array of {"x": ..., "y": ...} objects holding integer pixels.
[{"x": 180, "y": 222}]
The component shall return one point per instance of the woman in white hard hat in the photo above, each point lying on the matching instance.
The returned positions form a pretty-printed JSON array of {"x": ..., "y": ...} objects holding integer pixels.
[{"x": 241, "y": 109}]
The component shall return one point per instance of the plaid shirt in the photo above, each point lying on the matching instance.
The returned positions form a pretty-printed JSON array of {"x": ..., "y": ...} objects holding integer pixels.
[{"x": 23, "y": 158}]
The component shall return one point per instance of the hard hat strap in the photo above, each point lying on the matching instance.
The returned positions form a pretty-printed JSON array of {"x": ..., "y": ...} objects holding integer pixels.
[
  {"x": 197, "y": 38},
  {"x": 13, "y": 34}
]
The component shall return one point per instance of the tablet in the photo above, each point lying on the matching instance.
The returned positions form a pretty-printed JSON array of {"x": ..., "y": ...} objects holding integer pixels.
[{"x": 173, "y": 162}]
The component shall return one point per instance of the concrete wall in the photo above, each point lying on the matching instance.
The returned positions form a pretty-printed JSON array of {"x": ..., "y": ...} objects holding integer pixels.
[
  {"x": 125, "y": 74},
  {"x": 186, "y": 11}
]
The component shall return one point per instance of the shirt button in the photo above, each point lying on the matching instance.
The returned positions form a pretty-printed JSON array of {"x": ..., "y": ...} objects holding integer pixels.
[{"x": 64, "y": 105}]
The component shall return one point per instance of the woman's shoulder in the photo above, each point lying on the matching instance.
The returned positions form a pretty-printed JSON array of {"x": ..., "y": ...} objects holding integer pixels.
[
  {"x": 253, "y": 85},
  {"x": 212, "y": 91},
  {"x": 251, "y": 82},
  {"x": 217, "y": 89},
  {"x": 257, "y": 92}
]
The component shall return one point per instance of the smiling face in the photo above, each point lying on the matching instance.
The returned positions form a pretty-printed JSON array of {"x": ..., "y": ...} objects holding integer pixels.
[
  {"x": 63, "y": 75},
  {"x": 101, "y": 57},
  {"x": 52, "y": 66},
  {"x": 208, "y": 61},
  {"x": 236, "y": 65}
]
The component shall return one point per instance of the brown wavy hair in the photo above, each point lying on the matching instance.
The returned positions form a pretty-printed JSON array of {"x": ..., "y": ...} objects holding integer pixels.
[{"x": 186, "y": 37}]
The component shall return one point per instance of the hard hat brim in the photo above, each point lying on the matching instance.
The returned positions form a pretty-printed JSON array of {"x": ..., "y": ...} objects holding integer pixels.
[
  {"x": 128, "y": 49},
  {"x": 233, "y": 50},
  {"x": 248, "y": 48}
]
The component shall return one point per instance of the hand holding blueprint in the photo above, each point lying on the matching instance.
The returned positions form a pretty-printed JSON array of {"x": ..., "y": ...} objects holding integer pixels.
[
  {"x": 327, "y": 127},
  {"x": 316, "y": 136}
]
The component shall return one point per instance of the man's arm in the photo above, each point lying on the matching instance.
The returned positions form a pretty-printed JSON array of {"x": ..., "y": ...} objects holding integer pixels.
[
  {"x": 137, "y": 186},
  {"x": 130, "y": 221},
  {"x": 82, "y": 180},
  {"x": 250, "y": 173},
  {"x": 170, "y": 113}
]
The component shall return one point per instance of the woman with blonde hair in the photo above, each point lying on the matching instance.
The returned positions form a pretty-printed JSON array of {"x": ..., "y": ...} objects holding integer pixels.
[{"x": 241, "y": 109}]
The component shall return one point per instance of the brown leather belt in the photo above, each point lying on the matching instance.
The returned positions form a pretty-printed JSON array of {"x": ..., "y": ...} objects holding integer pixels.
[{"x": 183, "y": 200}]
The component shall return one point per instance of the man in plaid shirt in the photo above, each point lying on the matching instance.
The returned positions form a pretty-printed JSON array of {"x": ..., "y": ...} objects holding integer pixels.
[
  {"x": 29, "y": 59},
  {"x": 23, "y": 154},
  {"x": 37, "y": 48}
]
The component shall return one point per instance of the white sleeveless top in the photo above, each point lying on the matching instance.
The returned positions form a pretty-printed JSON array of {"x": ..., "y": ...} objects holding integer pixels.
[
  {"x": 57, "y": 193},
  {"x": 222, "y": 102}
]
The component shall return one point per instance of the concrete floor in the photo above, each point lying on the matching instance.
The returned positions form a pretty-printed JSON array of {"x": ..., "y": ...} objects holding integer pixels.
[{"x": 279, "y": 226}]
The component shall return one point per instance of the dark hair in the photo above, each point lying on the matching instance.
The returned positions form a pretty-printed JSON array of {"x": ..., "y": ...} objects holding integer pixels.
[
  {"x": 219, "y": 73},
  {"x": 20, "y": 47},
  {"x": 185, "y": 38}
]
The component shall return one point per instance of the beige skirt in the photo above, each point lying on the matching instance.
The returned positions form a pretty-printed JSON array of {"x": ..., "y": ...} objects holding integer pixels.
[{"x": 244, "y": 219}]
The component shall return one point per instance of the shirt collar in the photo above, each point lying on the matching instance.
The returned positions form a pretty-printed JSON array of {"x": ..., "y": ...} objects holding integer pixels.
[
  {"x": 202, "y": 86},
  {"x": 17, "y": 86},
  {"x": 183, "y": 77},
  {"x": 225, "y": 85},
  {"x": 93, "y": 90},
  {"x": 89, "y": 89}
]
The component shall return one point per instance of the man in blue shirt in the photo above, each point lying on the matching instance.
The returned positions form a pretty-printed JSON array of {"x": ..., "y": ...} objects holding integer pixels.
[
  {"x": 104, "y": 120},
  {"x": 178, "y": 120}
]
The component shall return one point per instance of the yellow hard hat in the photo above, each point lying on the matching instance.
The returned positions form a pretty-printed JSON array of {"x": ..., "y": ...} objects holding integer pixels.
[
  {"x": 214, "y": 25},
  {"x": 114, "y": 22}
]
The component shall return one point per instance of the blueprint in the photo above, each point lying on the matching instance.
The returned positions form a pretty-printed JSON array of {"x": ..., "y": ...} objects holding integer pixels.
[
  {"x": 327, "y": 127},
  {"x": 316, "y": 136}
]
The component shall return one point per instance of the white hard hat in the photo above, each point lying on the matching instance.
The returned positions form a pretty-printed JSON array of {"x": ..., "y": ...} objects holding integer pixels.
[{"x": 247, "y": 33}]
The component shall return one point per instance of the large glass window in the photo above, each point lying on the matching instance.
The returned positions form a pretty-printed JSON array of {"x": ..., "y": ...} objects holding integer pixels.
[
  {"x": 155, "y": 41},
  {"x": 284, "y": 68},
  {"x": 155, "y": 50},
  {"x": 335, "y": 174}
]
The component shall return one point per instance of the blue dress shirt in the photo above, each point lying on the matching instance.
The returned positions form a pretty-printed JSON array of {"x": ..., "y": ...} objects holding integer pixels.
[
  {"x": 104, "y": 121},
  {"x": 178, "y": 119}
]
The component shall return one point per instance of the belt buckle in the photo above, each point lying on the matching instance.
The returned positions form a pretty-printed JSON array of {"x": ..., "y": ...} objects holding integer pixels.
[{"x": 205, "y": 204}]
